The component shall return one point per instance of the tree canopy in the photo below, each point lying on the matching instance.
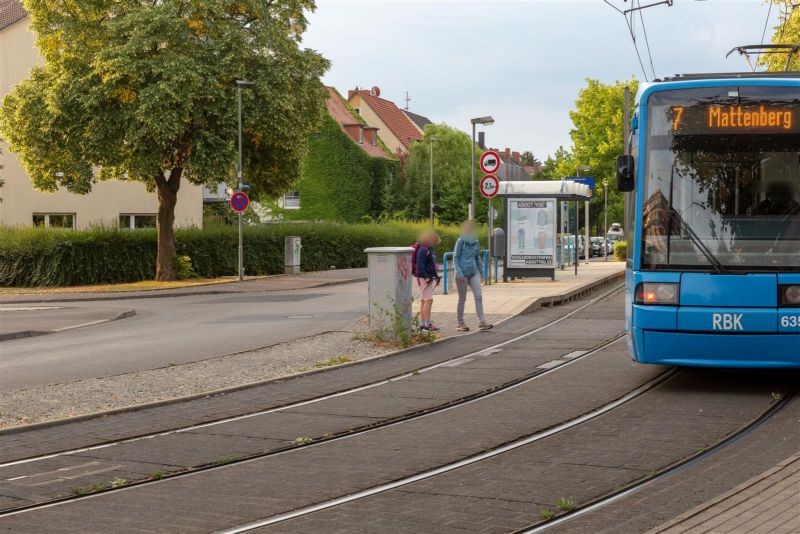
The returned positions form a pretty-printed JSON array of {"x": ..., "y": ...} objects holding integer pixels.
[
  {"x": 145, "y": 91},
  {"x": 786, "y": 32}
]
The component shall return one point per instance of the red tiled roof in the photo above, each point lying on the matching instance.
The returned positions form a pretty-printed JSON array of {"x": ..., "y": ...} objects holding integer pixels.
[
  {"x": 11, "y": 11},
  {"x": 393, "y": 117},
  {"x": 339, "y": 112}
]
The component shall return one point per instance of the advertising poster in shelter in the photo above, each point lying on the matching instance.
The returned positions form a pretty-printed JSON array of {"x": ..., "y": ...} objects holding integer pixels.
[{"x": 531, "y": 233}]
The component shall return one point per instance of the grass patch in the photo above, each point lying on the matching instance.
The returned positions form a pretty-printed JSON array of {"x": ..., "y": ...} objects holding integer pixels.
[
  {"x": 338, "y": 360},
  {"x": 566, "y": 504},
  {"x": 546, "y": 514},
  {"x": 226, "y": 460},
  {"x": 303, "y": 440}
]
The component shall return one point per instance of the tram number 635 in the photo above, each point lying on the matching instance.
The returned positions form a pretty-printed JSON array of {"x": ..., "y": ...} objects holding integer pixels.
[{"x": 790, "y": 321}]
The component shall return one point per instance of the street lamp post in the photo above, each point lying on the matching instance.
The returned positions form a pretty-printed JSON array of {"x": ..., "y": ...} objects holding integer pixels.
[
  {"x": 239, "y": 85},
  {"x": 484, "y": 121},
  {"x": 605, "y": 219},
  {"x": 432, "y": 139}
]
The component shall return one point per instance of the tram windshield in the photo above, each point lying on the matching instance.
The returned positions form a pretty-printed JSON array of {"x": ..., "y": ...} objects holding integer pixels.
[{"x": 722, "y": 183}]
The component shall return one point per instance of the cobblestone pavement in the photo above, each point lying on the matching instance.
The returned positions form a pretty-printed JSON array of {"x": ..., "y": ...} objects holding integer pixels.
[
  {"x": 769, "y": 503},
  {"x": 57, "y": 477},
  {"x": 695, "y": 488}
]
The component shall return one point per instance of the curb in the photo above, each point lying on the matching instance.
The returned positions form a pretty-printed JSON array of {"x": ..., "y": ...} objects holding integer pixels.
[
  {"x": 34, "y": 333},
  {"x": 540, "y": 302},
  {"x": 126, "y": 295}
]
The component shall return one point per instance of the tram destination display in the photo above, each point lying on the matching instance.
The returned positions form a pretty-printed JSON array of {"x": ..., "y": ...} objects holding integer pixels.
[
  {"x": 531, "y": 234},
  {"x": 747, "y": 118}
]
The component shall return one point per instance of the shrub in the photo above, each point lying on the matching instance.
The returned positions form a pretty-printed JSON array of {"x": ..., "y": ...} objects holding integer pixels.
[
  {"x": 183, "y": 268},
  {"x": 37, "y": 257},
  {"x": 621, "y": 250}
]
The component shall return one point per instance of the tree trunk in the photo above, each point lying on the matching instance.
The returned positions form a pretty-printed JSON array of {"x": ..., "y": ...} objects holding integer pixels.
[{"x": 167, "y": 189}]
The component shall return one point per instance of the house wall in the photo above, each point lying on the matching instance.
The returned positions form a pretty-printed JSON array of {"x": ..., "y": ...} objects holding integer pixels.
[
  {"x": 106, "y": 201},
  {"x": 371, "y": 118}
]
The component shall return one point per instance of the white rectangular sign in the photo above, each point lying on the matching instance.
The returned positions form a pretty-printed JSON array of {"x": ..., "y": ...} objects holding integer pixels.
[{"x": 531, "y": 233}]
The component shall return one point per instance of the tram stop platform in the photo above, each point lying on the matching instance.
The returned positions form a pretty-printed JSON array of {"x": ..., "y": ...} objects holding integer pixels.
[{"x": 516, "y": 297}]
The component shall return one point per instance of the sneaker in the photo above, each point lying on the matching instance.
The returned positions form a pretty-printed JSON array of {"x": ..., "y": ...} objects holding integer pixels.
[
  {"x": 433, "y": 328},
  {"x": 486, "y": 326},
  {"x": 462, "y": 328}
]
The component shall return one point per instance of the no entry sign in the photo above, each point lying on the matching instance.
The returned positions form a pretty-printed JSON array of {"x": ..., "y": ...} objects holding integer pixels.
[
  {"x": 239, "y": 202},
  {"x": 490, "y": 162},
  {"x": 490, "y": 185}
]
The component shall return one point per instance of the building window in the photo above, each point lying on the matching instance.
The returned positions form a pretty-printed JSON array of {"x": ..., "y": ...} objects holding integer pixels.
[
  {"x": 361, "y": 136},
  {"x": 54, "y": 220},
  {"x": 358, "y": 110},
  {"x": 134, "y": 221},
  {"x": 291, "y": 200}
]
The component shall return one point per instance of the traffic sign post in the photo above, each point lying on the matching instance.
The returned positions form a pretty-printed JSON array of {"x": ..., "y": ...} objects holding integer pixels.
[
  {"x": 239, "y": 203},
  {"x": 490, "y": 185},
  {"x": 490, "y": 162}
]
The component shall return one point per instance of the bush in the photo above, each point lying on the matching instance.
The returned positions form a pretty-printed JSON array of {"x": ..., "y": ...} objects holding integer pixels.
[
  {"x": 35, "y": 257},
  {"x": 621, "y": 250}
]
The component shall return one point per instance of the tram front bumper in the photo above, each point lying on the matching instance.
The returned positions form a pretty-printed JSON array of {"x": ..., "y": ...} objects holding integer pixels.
[{"x": 717, "y": 350}]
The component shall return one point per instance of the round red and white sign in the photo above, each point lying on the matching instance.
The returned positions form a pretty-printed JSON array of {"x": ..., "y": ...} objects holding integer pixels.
[
  {"x": 490, "y": 162},
  {"x": 490, "y": 185}
]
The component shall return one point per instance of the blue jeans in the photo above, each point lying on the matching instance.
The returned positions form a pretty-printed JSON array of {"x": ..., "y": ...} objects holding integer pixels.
[{"x": 474, "y": 283}]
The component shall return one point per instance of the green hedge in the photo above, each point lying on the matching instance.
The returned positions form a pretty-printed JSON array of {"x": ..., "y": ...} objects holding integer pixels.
[
  {"x": 37, "y": 257},
  {"x": 621, "y": 250}
]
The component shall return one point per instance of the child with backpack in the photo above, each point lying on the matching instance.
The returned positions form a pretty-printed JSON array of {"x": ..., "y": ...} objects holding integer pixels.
[{"x": 426, "y": 277}]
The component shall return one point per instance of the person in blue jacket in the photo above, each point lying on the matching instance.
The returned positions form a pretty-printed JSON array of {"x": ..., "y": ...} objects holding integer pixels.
[
  {"x": 469, "y": 273},
  {"x": 426, "y": 277}
]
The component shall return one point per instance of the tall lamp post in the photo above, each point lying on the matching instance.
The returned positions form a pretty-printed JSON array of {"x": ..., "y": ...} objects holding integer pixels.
[
  {"x": 484, "y": 121},
  {"x": 585, "y": 168},
  {"x": 239, "y": 85},
  {"x": 432, "y": 139},
  {"x": 605, "y": 219}
]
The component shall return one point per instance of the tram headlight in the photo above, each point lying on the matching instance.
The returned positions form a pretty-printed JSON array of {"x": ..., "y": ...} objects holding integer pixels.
[
  {"x": 790, "y": 295},
  {"x": 658, "y": 293}
]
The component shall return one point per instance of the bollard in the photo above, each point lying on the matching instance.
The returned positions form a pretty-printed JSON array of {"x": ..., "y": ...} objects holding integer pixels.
[
  {"x": 291, "y": 255},
  {"x": 390, "y": 291}
]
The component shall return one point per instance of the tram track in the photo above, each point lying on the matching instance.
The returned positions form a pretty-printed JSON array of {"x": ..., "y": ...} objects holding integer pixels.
[{"x": 524, "y": 379}]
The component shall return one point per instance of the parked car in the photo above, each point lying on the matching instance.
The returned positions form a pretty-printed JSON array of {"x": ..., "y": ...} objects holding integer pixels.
[{"x": 597, "y": 246}]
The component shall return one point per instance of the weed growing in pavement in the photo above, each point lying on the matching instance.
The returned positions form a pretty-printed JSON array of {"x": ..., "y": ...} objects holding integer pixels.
[
  {"x": 302, "y": 440},
  {"x": 415, "y": 372},
  {"x": 78, "y": 491},
  {"x": 399, "y": 333},
  {"x": 118, "y": 482},
  {"x": 777, "y": 396},
  {"x": 226, "y": 460},
  {"x": 338, "y": 360},
  {"x": 566, "y": 504},
  {"x": 99, "y": 486},
  {"x": 546, "y": 514},
  {"x": 157, "y": 475}
]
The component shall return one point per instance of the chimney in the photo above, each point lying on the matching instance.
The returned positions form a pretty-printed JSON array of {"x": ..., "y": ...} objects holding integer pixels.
[
  {"x": 482, "y": 140},
  {"x": 515, "y": 157},
  {"x": 353, "y": 131},
  {"x": 371, "y": 135}
]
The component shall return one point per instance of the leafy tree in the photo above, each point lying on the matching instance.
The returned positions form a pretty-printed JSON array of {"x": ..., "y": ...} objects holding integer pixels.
[
  {"x": 787, "y": 32},
  {"x": 529, "y": 160},
  {"x": 597, "y": 141},
  {"x": 451, "y": 176},
  {"x": 145, "y": 91},
  {"x": 550, "y": 169}
]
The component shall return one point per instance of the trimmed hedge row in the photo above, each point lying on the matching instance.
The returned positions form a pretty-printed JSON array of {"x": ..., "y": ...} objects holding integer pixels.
[{"x": 36, "y": 257}]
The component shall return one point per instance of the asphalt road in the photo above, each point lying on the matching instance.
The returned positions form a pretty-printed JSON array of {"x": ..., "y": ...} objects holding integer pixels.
[{"x": 177, "y": 330}]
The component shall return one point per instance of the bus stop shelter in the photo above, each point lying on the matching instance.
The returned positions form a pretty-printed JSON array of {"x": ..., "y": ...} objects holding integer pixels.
[{"x": 530, "y": 223}]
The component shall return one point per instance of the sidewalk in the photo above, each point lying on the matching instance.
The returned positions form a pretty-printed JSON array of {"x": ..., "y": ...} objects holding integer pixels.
[
  {"x": 266, "y": 283},
  {"x": 768, "y": 503},
  {"x": 504, "y": 300}
]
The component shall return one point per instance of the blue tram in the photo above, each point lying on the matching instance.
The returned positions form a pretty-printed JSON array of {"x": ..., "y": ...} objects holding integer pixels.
[{"x": 713, "y": 274}]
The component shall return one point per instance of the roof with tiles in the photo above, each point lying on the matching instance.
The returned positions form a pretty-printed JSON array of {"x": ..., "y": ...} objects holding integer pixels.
[
  {"x": 393, "y": 117},
  {"x": 338, "y": 110},
  {"x": 11, "y": 11}
]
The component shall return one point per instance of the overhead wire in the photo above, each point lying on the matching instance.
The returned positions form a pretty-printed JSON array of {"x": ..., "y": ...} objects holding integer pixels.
[
  {"x": 646, "y": 40},
  {"x": 633, "y": 37}
]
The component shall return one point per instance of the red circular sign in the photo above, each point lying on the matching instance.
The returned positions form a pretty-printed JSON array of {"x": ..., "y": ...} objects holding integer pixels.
[
  {"x": 490, "y": 162},
  {"x": 239, "y": 202},
  {"x": 490, "y": 185}
]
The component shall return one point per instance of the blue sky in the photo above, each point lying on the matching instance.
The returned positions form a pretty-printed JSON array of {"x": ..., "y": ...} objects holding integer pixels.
[{"x": 523, "y": 62}]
